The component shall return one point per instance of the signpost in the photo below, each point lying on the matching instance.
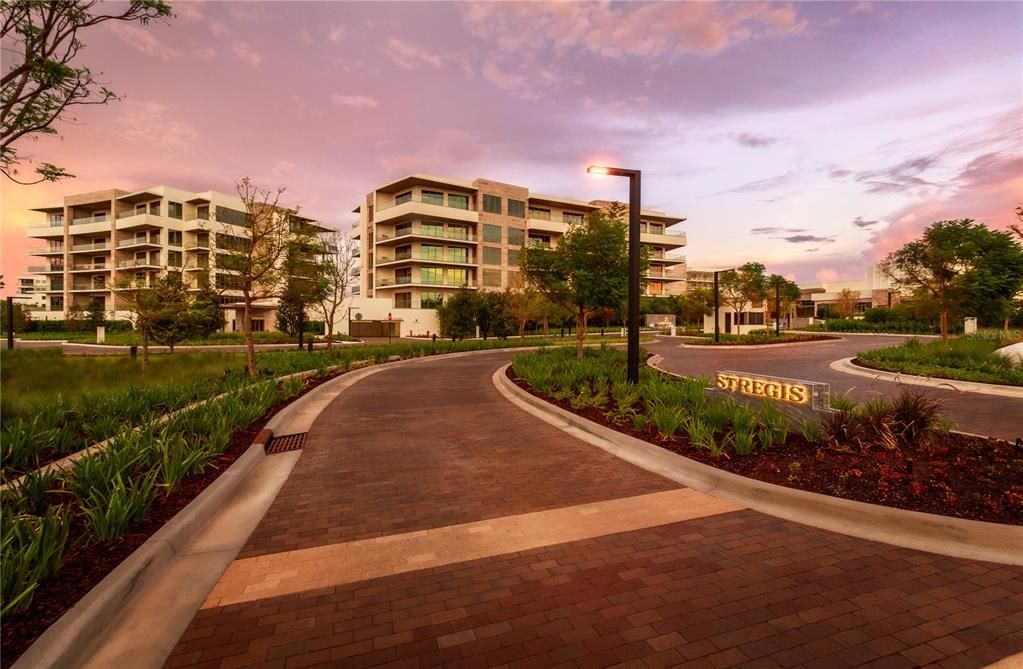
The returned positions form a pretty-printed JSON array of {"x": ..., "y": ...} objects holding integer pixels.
[{"x": 808, "y": 394}]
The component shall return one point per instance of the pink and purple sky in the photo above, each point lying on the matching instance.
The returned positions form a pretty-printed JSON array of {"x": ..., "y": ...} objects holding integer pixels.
[{"x": 813, "y": 137}]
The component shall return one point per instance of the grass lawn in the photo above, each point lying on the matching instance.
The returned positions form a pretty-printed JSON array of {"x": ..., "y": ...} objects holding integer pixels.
[{"x": 964, "y": 359}]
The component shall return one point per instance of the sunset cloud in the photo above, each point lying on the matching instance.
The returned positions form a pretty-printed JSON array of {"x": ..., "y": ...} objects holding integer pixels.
[
  {"x": 360, "y": 101},
  {"x": 409, "y": 55},
  {"x": 246, "y": 53}
]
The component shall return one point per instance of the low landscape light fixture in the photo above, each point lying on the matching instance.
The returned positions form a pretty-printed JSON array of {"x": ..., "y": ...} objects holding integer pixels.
[{"x": 632, "y": 361}]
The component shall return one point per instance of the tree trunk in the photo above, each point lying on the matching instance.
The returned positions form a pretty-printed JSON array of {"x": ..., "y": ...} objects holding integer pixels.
[
  {"x": 546, "y": 326},
  {"x": 943, "y": 321},
  {"x": 330, "y": 334},
  {"x": 250, "y": 344},
  {"x": 580, "y": 332},
  {"x": 522, "y": 328},
  {"x": 145, "y": 348},
  {"x": 1005, "y": 325}
]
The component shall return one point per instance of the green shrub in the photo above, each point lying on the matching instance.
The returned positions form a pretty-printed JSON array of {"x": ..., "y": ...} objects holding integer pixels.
[
  {"x": 812, "y": 431},
  {"x": 667, "y": 418},
  {"x": 31, "y": 548},
  {"x": 774, "y": 426},
  {"x": 965, "y": 359},
  {"x": 108, "y": 513}
]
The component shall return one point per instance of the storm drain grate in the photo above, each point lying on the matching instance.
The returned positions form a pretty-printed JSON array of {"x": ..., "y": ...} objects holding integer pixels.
[{"x": 285, "y": 443}]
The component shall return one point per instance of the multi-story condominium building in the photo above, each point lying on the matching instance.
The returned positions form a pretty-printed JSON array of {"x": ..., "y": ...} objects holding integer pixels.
[
  {"x": 97, "y": 240},
  {"x": 699, "y": 279},
  {"x": 423, "y": 237},
  {"x": 875, "y": 289},
  {"x": 31, "y": 291}
]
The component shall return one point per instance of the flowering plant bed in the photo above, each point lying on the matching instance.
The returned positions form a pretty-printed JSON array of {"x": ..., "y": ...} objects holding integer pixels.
[{"x": 934, "y": 470}]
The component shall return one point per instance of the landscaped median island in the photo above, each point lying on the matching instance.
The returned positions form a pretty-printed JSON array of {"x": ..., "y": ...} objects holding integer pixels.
[
  {"x": 64, "y": 529},
  {"x": 897, "y": 452},
  {"x": 758, "y": 338},
  {"x": 965, "y": 358}
]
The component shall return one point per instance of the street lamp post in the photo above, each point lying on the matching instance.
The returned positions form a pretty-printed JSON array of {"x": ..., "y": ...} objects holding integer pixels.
[
  {"x": 717, "y": 309},
  {"x": 632, "y": 360}
]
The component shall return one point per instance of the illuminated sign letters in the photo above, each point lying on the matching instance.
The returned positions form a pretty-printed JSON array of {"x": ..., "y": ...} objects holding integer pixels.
[{"x": 792, "y": 391}]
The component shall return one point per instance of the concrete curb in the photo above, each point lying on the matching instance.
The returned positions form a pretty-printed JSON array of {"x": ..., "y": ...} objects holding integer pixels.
[
  {"x": 846, "y": 366},
  {"x": 70, "y": 640},
  {"x": 955, "y": 537}
]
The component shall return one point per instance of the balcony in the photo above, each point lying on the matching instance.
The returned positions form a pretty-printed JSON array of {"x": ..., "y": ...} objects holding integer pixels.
[
  {"x": 51, "y": 250},
  {"x": 138, "y": 221},
  {"x": 95, "y": 246},
  {"x": 88, "y": 288},
  {"x": 138, "y": 264},
  {"x": 356, "y": 251},
  {"x": 442, "y": 259},
  {"x": 52, "y": 269},
  {"x": 138, "y": 242},
  {"x": 417, "y": 206},
  {"x": 89, "y": 224},
  {"x": 666, "y": 238},
  {"x": 356, "y": 271},
  {"x": 199, "y": 245},
  {"x": 91, "y": 267},
  {"x": 37, "y": 269},
  {"x": 668, "y": 260},
  {"x": 419, "y": 281},
  {"x": 418, "y": 231},
  {"x": 46, "y": 231}
]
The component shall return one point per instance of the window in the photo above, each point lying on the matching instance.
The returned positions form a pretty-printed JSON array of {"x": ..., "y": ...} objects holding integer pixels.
[
  {"x": 516, "y": 208},
  {"x": 173, "y": 238},
  {"x": 258, "y": 325},
  {"x": 656, "y": 228},
  {"x": 403, "y": 300},
  {"x": 403, "y": 275},
  {"x": 458, "y": 201},
  {"x": 540, "y": 214},
  {"x": 232, "y": 217},
  {"x": 571, "y": 217},
  {"x": 458, "y": 277},
  {"x": 174, "y": 210},
  {"x": 154, "y": 208},
  {"x": 433, "y": 197},
  {"x": 56, "y": 303},
  {"x": 513, "y": 257},
  {"x": 99, "y": 216},
  {"x": 492, "y": 278},
  {"x": 542, "y": 240},
  {"x": 56, "y": 219},
  {"x": 203, "y": 212},
  {"x": 403, "y": 229},
  {"x": 154, "y": 237},
  {"x": 515, "y": 280},
  {"x": 491, "y": 255},
  {"x": 56, "y": 283},
  {"x": 433, "y": 275},
  {"x": 403, "y": 198},
  {"x": 430, "y": 252},
  {"x": 140, "y": 209},
  {"x": 516, "y": 237},
  {"x": 458, "y": 254},
  {"x": 174, "y": 258},
  {"x": 491, "y": 204},
  {"x": 430, "y": 300},
  {"x": 458, "y": 232},
  {"x": 492, "y": 233},
  {"x": 432, "y": 229},
  {"x": 403, "y": 253}
]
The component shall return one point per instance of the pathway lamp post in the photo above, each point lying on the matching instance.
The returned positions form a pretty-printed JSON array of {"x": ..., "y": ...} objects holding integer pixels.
[{"x": 632, "y": 321}]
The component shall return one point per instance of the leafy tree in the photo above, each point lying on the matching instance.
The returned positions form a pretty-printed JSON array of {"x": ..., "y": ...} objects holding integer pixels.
[
  {"x": 74, "y": 318},
  {"x": 140, "y": 299},
  {"x": 337, "y": 263},
  {"x": 22, "y": 318},
  {"x": 587, "y": 271},
  {"x": 457, "y": 315},
  {"x": 289, "y": 313},
  {"x": 743, "y": 287},
  {"x": 958, "y": 264},
  {"x": 523, "y": 305},
  {"x": 263, "y": 263},
  {"x": 95, "y": 315},
  {"x": 205, "y": 312},
  {"x": 692, "y": 307},
  {"x": 1016, "y": 226},
  {"x": 40, "y": 84},
  {"x": 175, "y": 321},
  {"x": 845, "y": 303}
]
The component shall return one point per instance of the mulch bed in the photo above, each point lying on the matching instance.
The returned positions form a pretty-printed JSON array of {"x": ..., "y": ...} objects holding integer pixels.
[
  {"x": 963, "y": 477},
  {"x": 85, "y": 565}
]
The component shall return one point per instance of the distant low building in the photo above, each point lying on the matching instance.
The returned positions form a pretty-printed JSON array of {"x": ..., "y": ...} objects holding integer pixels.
[
  {"x": 31, "y": 292},
  {"x": 874, "y": 290}
]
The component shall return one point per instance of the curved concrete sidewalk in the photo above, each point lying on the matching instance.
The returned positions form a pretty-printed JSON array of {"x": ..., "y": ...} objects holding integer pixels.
[{"x": 430, "y": 522}]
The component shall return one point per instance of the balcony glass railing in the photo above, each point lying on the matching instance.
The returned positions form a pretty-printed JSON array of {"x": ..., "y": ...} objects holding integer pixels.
[
  {"x": 129, "y": 264},
  {"x": 407, "y": 280},
  {"x": 445, "y": 234},
  {"x": 36, "y": 269},
  {"x": 461, "y": 260},
  {"x": 98, "y": 267},
  {"x": 105, "y": 218},
  {"x": 438, "y": 202},
  {"x": 55, "y": 222},
  {"x": 95, "y": 246},
  {"x": 200, "y": 244},
  {"x": 138, "y": 241},
  {"x": 53, "y": 248}
]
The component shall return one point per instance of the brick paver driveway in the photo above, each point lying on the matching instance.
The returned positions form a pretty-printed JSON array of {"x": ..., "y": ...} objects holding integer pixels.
[
  {"x": 429, "y": 523},
  {"x": 973, "y": 412}
]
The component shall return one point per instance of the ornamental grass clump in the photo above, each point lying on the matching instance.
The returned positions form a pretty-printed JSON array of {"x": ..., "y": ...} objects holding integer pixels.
[
  {"x": 774, "y": 426},
  {"x": 31, "y": 494},
  {"x": 108, "y": 511},
  {"x": 31, "y": 548},
  {"x": 667, "y": 418}
]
